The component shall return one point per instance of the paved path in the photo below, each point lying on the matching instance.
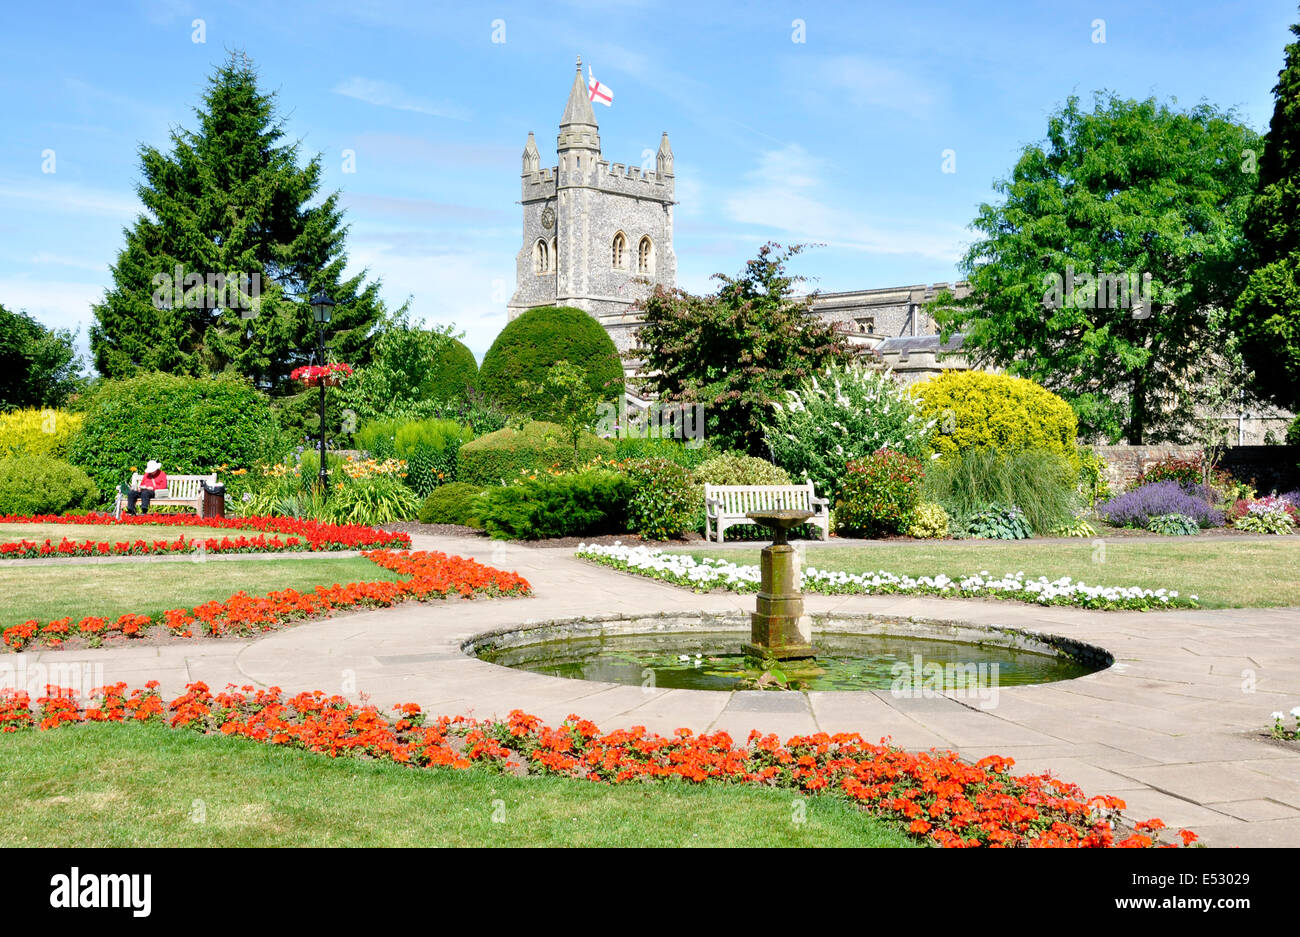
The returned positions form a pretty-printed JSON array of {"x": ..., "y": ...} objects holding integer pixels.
[{"x": 1172, "y": 728}]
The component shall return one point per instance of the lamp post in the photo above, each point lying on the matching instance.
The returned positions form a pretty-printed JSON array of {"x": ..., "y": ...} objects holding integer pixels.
[{"x": 321, "y": 308}]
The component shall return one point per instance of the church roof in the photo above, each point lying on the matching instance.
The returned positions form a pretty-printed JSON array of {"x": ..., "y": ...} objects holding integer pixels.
[{"x": 578, "y": 110}]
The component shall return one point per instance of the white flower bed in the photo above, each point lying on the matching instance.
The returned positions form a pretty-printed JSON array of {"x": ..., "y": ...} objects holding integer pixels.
[{"x": 708, "y": 573}]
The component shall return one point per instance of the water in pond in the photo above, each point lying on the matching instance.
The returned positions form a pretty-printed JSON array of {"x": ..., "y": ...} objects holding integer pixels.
[{"x": 712, "y": 661}]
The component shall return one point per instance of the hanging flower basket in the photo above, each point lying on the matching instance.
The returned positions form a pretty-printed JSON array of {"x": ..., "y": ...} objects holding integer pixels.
[{"x": 331, "y": 375}]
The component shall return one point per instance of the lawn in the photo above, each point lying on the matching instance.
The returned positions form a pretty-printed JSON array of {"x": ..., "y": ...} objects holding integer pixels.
[
  {"x": 110, "y": 533},
  {"x": 47, "y": 593},
  {"x": 146, "y": 785},
  {"x": 1223, "y": 573}
]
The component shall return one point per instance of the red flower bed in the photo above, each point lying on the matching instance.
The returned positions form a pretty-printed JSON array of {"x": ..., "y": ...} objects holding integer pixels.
[
  {"x": 271, "y": 535},
  {"x": 430, "y": 576},
  {"x": 935, "y": 796}
]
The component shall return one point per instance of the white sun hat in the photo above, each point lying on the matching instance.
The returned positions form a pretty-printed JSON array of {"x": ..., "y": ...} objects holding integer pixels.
[{"x": 153, "y": 466}]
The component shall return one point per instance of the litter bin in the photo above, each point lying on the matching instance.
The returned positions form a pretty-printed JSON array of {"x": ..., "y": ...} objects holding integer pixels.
[{"x": 214, "y": 500}]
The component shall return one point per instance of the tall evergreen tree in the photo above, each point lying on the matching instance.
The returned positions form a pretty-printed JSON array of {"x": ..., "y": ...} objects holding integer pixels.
[
  {"x": 231, "y": 199},
  {"x": 1267, "y": 314}
]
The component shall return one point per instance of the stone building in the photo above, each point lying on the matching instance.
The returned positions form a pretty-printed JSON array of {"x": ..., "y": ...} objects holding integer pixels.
[{"x": 596, "y": 235}]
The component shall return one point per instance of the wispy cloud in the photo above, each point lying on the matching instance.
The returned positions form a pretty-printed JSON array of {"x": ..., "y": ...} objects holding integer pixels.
[
  {"x": 786, "y": 193},
  {"x": 867, "y": 84},
  {"x": 387, "y": 94}
]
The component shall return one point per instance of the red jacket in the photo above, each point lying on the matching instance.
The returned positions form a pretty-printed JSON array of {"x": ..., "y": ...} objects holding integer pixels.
[{"x": 156, "y": 481}]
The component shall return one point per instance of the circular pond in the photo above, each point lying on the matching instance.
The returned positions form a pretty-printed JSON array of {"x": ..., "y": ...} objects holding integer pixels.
[{"x": 855, "y": 653}]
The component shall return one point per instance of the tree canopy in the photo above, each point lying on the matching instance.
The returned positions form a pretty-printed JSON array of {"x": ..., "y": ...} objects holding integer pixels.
[
  {"x": 230, "y": 200},
  {"x": 1267, "y": 314},
  {"x": 737, "y": 350},
  {"x": 39, "y": 367},
  {"x": 1107, "y": 271}
]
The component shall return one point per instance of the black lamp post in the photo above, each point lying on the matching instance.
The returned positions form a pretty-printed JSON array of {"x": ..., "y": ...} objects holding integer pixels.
[{"x": 321, "y": 308}]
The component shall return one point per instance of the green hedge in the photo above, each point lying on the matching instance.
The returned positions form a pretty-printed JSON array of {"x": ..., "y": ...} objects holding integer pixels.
[
  {"x": 452, "y": 504},
  {"x": 528, "y": 347},
  {"x": 193, "y": 426},
  {"x": 39, "y": 484},
  {"x": 657, "y": 447},
  {"x": 430, "y": 448},
  {"x": 977, "y": 410},
  {"x": 454, "y": 373},
  {"x": 503, "y": 456},
  {"x": 580, "y": 505}
]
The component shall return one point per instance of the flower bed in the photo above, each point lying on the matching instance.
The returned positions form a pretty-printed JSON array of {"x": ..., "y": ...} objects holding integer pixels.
[
  {"x": 934, "y": 795},
  {"x": 430, "y": 576},
  {"x": 269, "y": 535},
  {"x": 706, "y": 574}
]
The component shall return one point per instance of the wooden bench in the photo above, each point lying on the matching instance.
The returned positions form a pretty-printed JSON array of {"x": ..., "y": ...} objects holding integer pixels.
[
  {"x": 726, "y": 505},
  {"x": 186, "y": 490}
]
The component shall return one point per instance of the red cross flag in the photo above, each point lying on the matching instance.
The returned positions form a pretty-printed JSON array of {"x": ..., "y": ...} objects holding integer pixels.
[{"x": 598, "y": 91}]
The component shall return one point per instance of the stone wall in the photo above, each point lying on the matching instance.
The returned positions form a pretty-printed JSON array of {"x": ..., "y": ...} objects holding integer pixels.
[{"x": 1270, "y": 467}]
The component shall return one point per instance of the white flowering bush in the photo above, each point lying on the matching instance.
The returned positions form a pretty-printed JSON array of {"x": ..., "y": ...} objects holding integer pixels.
[
  {"x": 844, "y": 413},
  {"x": 708, "y": 574}
]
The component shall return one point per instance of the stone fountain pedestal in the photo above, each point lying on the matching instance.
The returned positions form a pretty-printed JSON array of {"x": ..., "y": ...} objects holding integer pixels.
[{"x": 778, "y": 627}]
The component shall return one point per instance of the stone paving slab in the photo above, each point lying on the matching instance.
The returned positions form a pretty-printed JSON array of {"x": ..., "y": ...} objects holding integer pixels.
[{"x": 1172, "y": 727}]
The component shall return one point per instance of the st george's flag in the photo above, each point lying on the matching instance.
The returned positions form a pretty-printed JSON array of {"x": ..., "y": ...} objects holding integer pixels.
[{"x": 599, "y": 93}]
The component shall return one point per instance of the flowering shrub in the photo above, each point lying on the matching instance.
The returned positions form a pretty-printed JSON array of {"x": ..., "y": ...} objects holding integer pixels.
[
  {"x": 706, "y": 574},
  {"x": 661, "y": 506},
  {"x": 936, "y": 796},
  {"x": 929, "y": 522},
  {"x": 1173, "y": 525},
  {"x": 429, "y": 576},
  {"x": 331, "y": 375},
  {"x": 1269, "y": 515},
  {"x": 879, "y": 494},
  {"x": 842, "y": 414},
  {"x": 1136, "y": 508},
  {"x": 287, "y": 535}
]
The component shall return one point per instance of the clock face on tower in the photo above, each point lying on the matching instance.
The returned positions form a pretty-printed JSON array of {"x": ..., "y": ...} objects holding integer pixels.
[{"x": 548, "y": 217}]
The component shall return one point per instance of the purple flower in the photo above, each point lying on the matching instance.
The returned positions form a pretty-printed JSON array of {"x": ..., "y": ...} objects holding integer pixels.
[{"x": 1136, "y": 508}]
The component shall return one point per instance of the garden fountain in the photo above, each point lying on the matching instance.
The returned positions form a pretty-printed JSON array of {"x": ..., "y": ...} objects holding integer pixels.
[{"x": 778, "y": 628}]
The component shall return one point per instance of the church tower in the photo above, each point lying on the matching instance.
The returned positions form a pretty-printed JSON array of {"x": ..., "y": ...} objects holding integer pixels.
[{"x": 598, "y": 236}]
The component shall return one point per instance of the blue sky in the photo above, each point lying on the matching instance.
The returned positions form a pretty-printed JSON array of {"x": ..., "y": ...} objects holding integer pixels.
[{"x": 837, "y": 139}]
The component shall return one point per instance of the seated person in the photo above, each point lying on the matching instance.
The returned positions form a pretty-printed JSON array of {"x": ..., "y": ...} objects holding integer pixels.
[{"x": 153, "y": 484}]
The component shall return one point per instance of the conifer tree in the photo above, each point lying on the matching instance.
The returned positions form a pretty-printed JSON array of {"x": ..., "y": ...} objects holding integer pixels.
[
  {"x": 1267, "y": 314},
  {"x": 231, "y": 201}
]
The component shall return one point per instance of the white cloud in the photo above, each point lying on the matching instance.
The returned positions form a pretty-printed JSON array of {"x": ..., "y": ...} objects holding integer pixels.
[
  {"x": 867, "y": 84},
  {"x": 387, "y": 94},
  {"x": 49, "y": 193},
  {"x": 785, "y": 193}
]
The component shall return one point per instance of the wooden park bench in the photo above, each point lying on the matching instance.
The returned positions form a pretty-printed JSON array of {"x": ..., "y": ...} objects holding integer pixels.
[
  {"x": 727, "y": 505},
  {"x": 185, "y": 490}
]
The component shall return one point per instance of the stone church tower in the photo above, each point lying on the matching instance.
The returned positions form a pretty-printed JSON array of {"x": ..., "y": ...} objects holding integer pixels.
[{"x": 597, "y": 235}]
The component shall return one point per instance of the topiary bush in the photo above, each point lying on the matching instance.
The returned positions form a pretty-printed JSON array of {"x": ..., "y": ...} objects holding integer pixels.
[
  {"x": 453, "y": 376},
  {"x": 528, "y": 347},
  {"x": 38, "y": 432},
  {"x": 978, "y": 410},
  {"x": 501, "y": 457},
  {"x": 662, "y": 503},
  {"x": 929, "y": 522},
  {"x": 1173, "y": 525},
  {"x": 192, "y": 425},
  {"x": 39, "y": 484},
  {"x": 841, "y": 414},
  {"x": 879, "y": 494},
  {"x": 452, "y": 503},
  {"x": 583, "y": 504}
]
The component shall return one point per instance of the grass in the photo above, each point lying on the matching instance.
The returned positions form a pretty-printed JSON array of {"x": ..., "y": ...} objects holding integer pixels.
[
  {"x": 50, "y": 592},
  {"x": 11, "y": 533},
  {"x": 1222, "y": 573},
  {"x": 142, "y": 785}
]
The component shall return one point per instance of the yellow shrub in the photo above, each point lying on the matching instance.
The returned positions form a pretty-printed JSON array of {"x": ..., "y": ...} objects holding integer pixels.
[
  {"x": 37, "y": 432},
  {"x": 978, "y": 410}
]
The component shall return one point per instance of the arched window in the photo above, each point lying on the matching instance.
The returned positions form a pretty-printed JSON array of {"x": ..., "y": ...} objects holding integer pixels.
[
  {"x": 541, "y": 257},
  {"x": 619, "y": 254},
  {"x": 645, "y": 256}
]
